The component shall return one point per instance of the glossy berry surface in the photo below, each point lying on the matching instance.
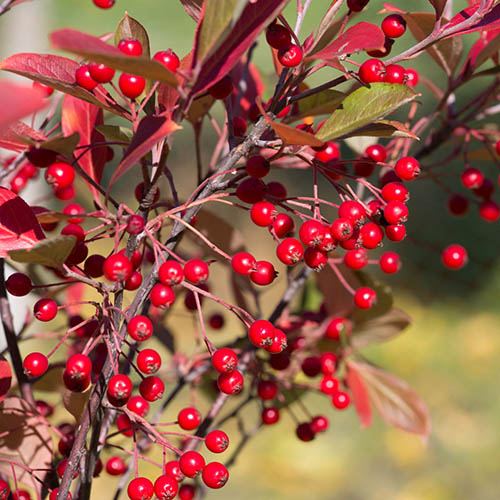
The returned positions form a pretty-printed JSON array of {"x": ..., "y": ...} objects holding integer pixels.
[
  {"x": 35, "y": 364},
  {"x": 217, "y": 441},
  {"x": 454, "y": 257},
  {"x": 189, "y": 418},
  {"x": 393, "y": 26},
  {"x": 290, "y": 56},
  {"x": 140, "y": 488},
  {"x": 132, "y": 86},
  {"x": 371, "y": 71},
  {"x": 278, "y": 37},
  {"x": 45, "y": 310},
  {"x": 215, "y": 475},
  {"x": 169, "y": 59}
]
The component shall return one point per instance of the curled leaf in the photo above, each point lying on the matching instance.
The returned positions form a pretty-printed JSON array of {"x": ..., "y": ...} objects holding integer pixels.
[
  {"x": 75, "y": 402},
  {"x": 293, "y": 136}
]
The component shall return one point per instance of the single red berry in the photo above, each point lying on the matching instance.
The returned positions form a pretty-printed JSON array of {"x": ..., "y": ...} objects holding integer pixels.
[
  {"x": 267, "y": 389},
  {"x": 371, "y": 71},
  {"x": 472, "y": 178},
  {"x": 395, "y": 191},
  {"x": 191, "y": 463},
  {"x": 104, "y": 4},
  {"x": 131, "y": 86},
  {"x": 328, "y": 363},
  {"x": 18, "y": 284},
  {"x": 282, "y": 225},
  {"x": 172, "y": 469},
  {"x": 407, "y": 168},
  {"x": 394, "y": 73},
  {"x": 357, "y": 5},
  {"x": 290, "y": 251},
  {"x": 353, "y": 211},
  {"x": 319, "y": 424},
  {"x": 312, "y": 232},
  {"x": 166, "y": 487},
  {"x": 169, "y": 59},
  {"x": 60, "y": 175},
  {"x": 224, "y": 360},
  {"x": 338, "y": 327},
  {"x": 94, "y": 265},
  {"x": 222, "y": 89},
  {"x": 390, "y": 262},
  {"x": 396, "y": 232},
  {"x": 243, "y": 263},
  {"x": 315, "y": 258},
  {"x": 76, "y": 375},
  {"x": 342, "y": 229},
  {"x": 65, "y": 194},
  {"x": 152, "y": 388},
  {"x": 171, "y": 273},
  {"x": 279, "y": 342},
  {"x": 74, "y": 209},
  {"x": 117, "y": 267},
  {"x": 119, "y": 389},
  {"x": 454, "y": 257},
  {"x": 329, "y": 385},
  {"x": 291, "y": 56},
  {"x": 393, "y": 26},
  {"x": 148, "y": 361},
  {"x": 216, "y": 321},
  {"x": 215, "y": 475},
  {"x": 365, "y": 297},
  {"x": 278, "y": 36},
  {"x": 262, "y": 213},
  {"x": 270, "y": 416},
  {"x": 45, "y": 309},
  {"x": 329, "y": 152},
  {"x": 257, "y": 166},
  {"x": 375, "y": 208},
  {"x": 196, "y": 271},
  {"x": 130, "y": 47},
  {"x": 371, "y": 235},
  {"x": 74, "y": 230},
  {"x": 395, "y": 212},
  {"x": 135, "y": 224},
  {"x": 261, "y": 333},
  {"x": 356, "y": 259},
  {"x": 138, "y": 405},
  {"x": 311, "y": 366},
  {"x": 376, "y": 152},
  {"x": 341, "y": 400},
  {"x": 18, "y": 183},
  {"x": 116, "y": 466},
  {"x": 35, "y": 364},
  {"x": 140, "y": 488},
  {"x": 217, "y": 441},
  {"x": 134, "y": 282},
  {"x": 251, "y": 190},
  {"x": 47, "y": 92},
  {"x": 189, "y": 418},
  {"x": 276, "y": 190},
  {"x": 263, "y": 273},
  {"x": 489, "y": 211},
  {"x": 187, "y": 492},
  {"x": 101, "y": 73},
  {"x": 84, "y": 79},
  {"x": 125, "y": 425},
  {"x": 305, "y": 432},
  {"x": 45, "y": 409},
  {"x": 411, "y": 77},
  {"x": 162, "y": 295},
  {"x": 230, "y": 383}
]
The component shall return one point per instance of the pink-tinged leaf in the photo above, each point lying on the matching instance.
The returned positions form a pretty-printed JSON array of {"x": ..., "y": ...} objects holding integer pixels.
[
  {"x": 193, "y": 8},
  {"x": 359, "y": 394},
  {"x": 5, "y": 377},
  {"x": 490, "y": 21},
  {"x": 396, "y": 402},
  {"x": 56, "y": 72},
  {"x": 18, "y": 101},
  {"x": 253, "y": 19},
  {"x": 439, "y": 6},
  {"x": 327, "y": 30},
  {"x": 151, "y": 130},
  {"x": 167, "y": 99},
  {"x": 94, "y": 49},
  {"x": 486, "y": 47},
  {"x": 18, "y": 136},
  {"x": 19, "y": 227},
  {"x": 81, "y": 117},
  {"x": 361, "y": 36}
]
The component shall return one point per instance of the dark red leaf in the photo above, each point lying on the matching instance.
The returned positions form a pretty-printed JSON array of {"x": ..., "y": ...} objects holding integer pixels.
[
  {"x": 193, "y": 8},
  {"x": 487, "y": 46},
  {"x": 361, "y": 36},
  {"x": 359, "y": 395},
  {"x": 438, "y": 7},
  {"x": 293, "y": 136},
  {"x": 19, "y": 227},
  {"x": 18, "y": 101},
  {"x": 18, "y": 136},
  {"x": 490, "y": 21}
]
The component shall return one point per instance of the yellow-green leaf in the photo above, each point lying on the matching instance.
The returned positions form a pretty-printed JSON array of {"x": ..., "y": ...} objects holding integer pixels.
[
  {"x": 51, "y": 253},
  {"x": 322, "y": 103}
]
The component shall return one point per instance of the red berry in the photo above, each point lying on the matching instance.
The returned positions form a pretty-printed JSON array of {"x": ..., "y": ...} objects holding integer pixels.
[
  {"x": 304, "y": 432},
  {"x": 341, "y": 400},
  {"x": 328, "y": 363},
  {"x": 261, "y": 333},
  {"x": 18, "y": 284},
  {"x": 162, "y": 295},
  {"x": 290, "y": 251},
  {"x": 74, "y": 230},
  {"x": 329, "y": 385},
  {"x": 217, "y": 441},
  {"x": 45, "y": 310},
  {"x": 35, "y": 364},
  {"x": 338, "y": 327},
  {"x": 282, "y": 225},
  {"x": 119, "y": 389},
  {"x": 172, "y": 469},
  {"x": 319, "y": 424},
  {"x": 187, "y": 492},
  {"x": 74, "y": 209},
  {"x": 101, "y": 73},
  {"x": 148, "y": 361},
  {"x": 315, "y": 258},
  {"x": 353, "y": 211},
  {"x": 376, "y": 152},
  {"x": 262, "y": 213},
  {"x": 134, "y": 282},
  {"x": 151, "y": 388},
  {"x": 84, "y": 79},
  {"x": 171, "y": 273},
  {"x": 47, "y": 92},
  {"x": 489, "y": 211},
  {"x": 104, "y": 4},
  {"x": 117, "y": 267},
  {"x": 124, "y": 425},
  {"x": 130, "y": 47},
  {"x": 140, "y": 488},
  {"x": 396, "y": 232},
  {"x": 115, "y": 466},
  {"x": 329, "y": 152},
  {"x": 371, "y": 235},
  {"x": 257, "y": 166},
  {"x": 222, "y": 89},
  {"x": 411, "y": 77},
  {"x": 215, "y": 475},
  {"x": 166, "y": 487},
  {"x": 263, "y": 273},
  {"x": 224, "y": 360},
  {"x": 278, "y": 36},
  {"x": 243, "y": 263},
  {"x": 390, "y": 262},
  {"x": 356, "y": 259},
  {"x": 138, "y": 405},
  {"x": 393, "y": 26},
  {"x": 395, "y": 191},
  {"x": 311, "y": 366},
  {"x": 191, "y": 463},
  {"x": 394, "y": 73},
  {"x": 251, "y": 190},
  {"x": 94, "y": 265},
  {"x": 189, "y": 418},
  {"x": 131, "y": 86},
  {"x": 342, "y": 229},
  {"x": 231, "y": 383},
  {"x": 279, "y": 342},
  {"x": 270, "y": 416},
  {"x": 472, "y": 178},
  {"x": 60, "y": 175},
  {"x": 371, "y": 71},
  {"x": 365, "y": 297},
  {"x": 312, "y": 232},
  {"x": 267, "y": 390},
  {"x": 169, "y": 59},
  {"x": 216, "y": 321},
  {"x": 76, "y": 375},
  {"x": 65, "y": 194},
  {"x": 454, "y": 257},
  {"x": 135, "y": 224},
  {"x": 291, "y": 56},
  {"x": 407, "y": 168},
  {"x": 395, "y": 212},
  {"x": 196, "y": 271}
]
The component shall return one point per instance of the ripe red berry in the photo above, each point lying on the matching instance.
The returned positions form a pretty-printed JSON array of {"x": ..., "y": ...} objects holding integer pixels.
[
  {"x": 282, "y": 225},
  {"x": 291, "y": 56},
  {"x": 319, "y": 424},
  {"x": 215, "y": 475},
  {"x": 116, "y": 466},
  {"x": 138, "y": 405},
  {"x": 342, "y": 229},
  {"x": 222, "y": 89},
  {"x": 131, "y": 86},
  {"x": 125, "y": 425},
  {"x": 312, "y": 232},
  {"x": 117, "y": 267},
  {"x": 262, "y": 213},
  {"x": 376, "y": 152},
  {"x": 148, "y": 361},
  {"x": 329, "y": 152},
  {"x": 407, "y": 168},
  {"x": 216, "y": 321},
  {"x": 315, "y": 258},
  {"x": 162, "y": 295},
  {"x": 60, "y": 175},
  {"x": 279, "y": 342},
  {"x": 393, "y": 26},
  {"x": 329, "y": 385},
  {"x": 305, "y": 432},
  {"x": 489, "y": 211},
  {"x": 191, "y": 463},
  {"x": 35, "y": 364},
  {"x": 172, "y": 469},
  {"x": 411, "y": 77},
  {"x": 94, "y": 265},
  {"x": 119, "y": 389},
  {"x": 328, "y": 363},
  {"x": 134, "y": 282},
  {"x": 337, "y": 327},
  {"x": 263, "y": 273},
  {"x": 171, "y": 273},
  {"x": 353, "y": 211},
  {"x": 394, "y": 73},
  {"x": 230, "y": 383},
  {"x": 152, "y": 388},
  {"x": 395, "y": 212},
  {"x": 290, "y": 251},
  {"x": 341, "y": 400},
  {"x": 371, "y": 235},
  {"x": 270, "y": 416},
  {"x": 76, "y": 375},
  {"x": 101, "y": 73},
  {"x": 104, "y": 4},
  {"x": 395, "y": 191},
  {"x": 472, "y": 178},
  {"x": 311, "y": 366},
  {"x": 187, "y": 492},
  {"x": 189, "y": 418},
  {"x": 278, "y": 36},
  {"x": 84, "y": 79},
  {"x": 257, "y": 166},
  {"x": 365, "y": 297},
  {"x": 196, "y": 271},
  {"x": 45, "y": 309},
  {"x": 261, "y": 333},
  {"x": 396, "y": 232},
  {"x": 140, "y": 488},
  {"x": 454, "y": 257},
  {"x": 217, "y": 441},
  {"x": 169, "y": 59},
  {"x": 371, "y": 71},
  {"x": 267, "y": 389},
  {"x": 18, "y": 284},
  {"x": 224, "y": 360},
  {"x": 390, "y": 262},
  {"x": 243, "y": 263},
  {"x": 251, "y": 190},
  {"x": 130, "y": 47},
  {"x": 166, "y": 487},
  {"x": 356, "y": 259}
]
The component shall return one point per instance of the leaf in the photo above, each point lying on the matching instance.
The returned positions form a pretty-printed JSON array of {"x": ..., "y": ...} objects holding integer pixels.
[
  {"x": 62, "y": 145},
  {"x": 327, "y": 30},
  {"x": 486, "y": 47},
  {"x": 151, "y": 130},
  {"x": 293, "y": 136},
  {"x": 115, "y": 133},
  {"x": 52, "y": 381},
  {"x": 19, "y": 228},
  {"x": 18, "y": 101},
  {"x": 364, "y": 106},
  {"x": 5, "y": 377},
  {"x": 439, "y": 6},
  {"x": 56, "y": 72},
  {"x": 396, "y": 402},
  {"x": 379, "y": 329},
  {"x": 18, "y": 136},
  {"x": 359, "y": 143},
  {"x": 24, "y": 438},
  {"x": 490, "y": 21},
  {"x": 385, "y": 128},
  {"x": 79, "y": 117},
  {"x": 165, "y": 336},
  {"x": 360, "y": 395},
  {"x": 51, "y": 253},
  {"x": 193, "y": 8},
  {"x": 130, "y": 28},
  {"x": 75, "y": 402},
  {"x": 94, "y": 49},
  {"x": 199, "y": 108},
  {"x": 447, "y": 52},
  {"x": 360, "y": 37},
  {"x": 253, "y": 19},
  {"x": 322, "y": 103}
]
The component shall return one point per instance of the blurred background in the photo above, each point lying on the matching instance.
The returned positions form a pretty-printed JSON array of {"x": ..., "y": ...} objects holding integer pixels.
[{"x": 449, "y": 355}]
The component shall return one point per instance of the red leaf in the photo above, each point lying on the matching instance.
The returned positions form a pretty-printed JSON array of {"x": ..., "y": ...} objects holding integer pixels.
[
  {"x": 19, "y": 227},
  {"x": 18, "y": 136},
  {"x": 151, "y": 130},
  {"x": 361, "y": 36},
  {"x": 490, "y": 21},
  {"x": 439, "y": 6},
  {"x": 5, "y": 377},
  {"x": 193, "y": 8},
  {"x": 254, "y": 17},
  {"x": 18, "y": 101},
  {"x": 487, "y": 46},
  {"x": 293, "y": 136},
  {"x": 82, "y": 117},
  {"x": 359, "y": 395}
]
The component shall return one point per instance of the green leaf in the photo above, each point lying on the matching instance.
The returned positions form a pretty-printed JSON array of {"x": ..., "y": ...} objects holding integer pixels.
[
  {"x": 128, "y": 28},
  {"x": 115, "y": 133},
  {"x": 364, "y": 106},
  {"x": 322, "y": 103},
  {"x": 62, "y": 145},
  {"x": 488, "y": 72},
  {"x": 51, "y": 253},
  {"x": 385, "y": 128}
]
